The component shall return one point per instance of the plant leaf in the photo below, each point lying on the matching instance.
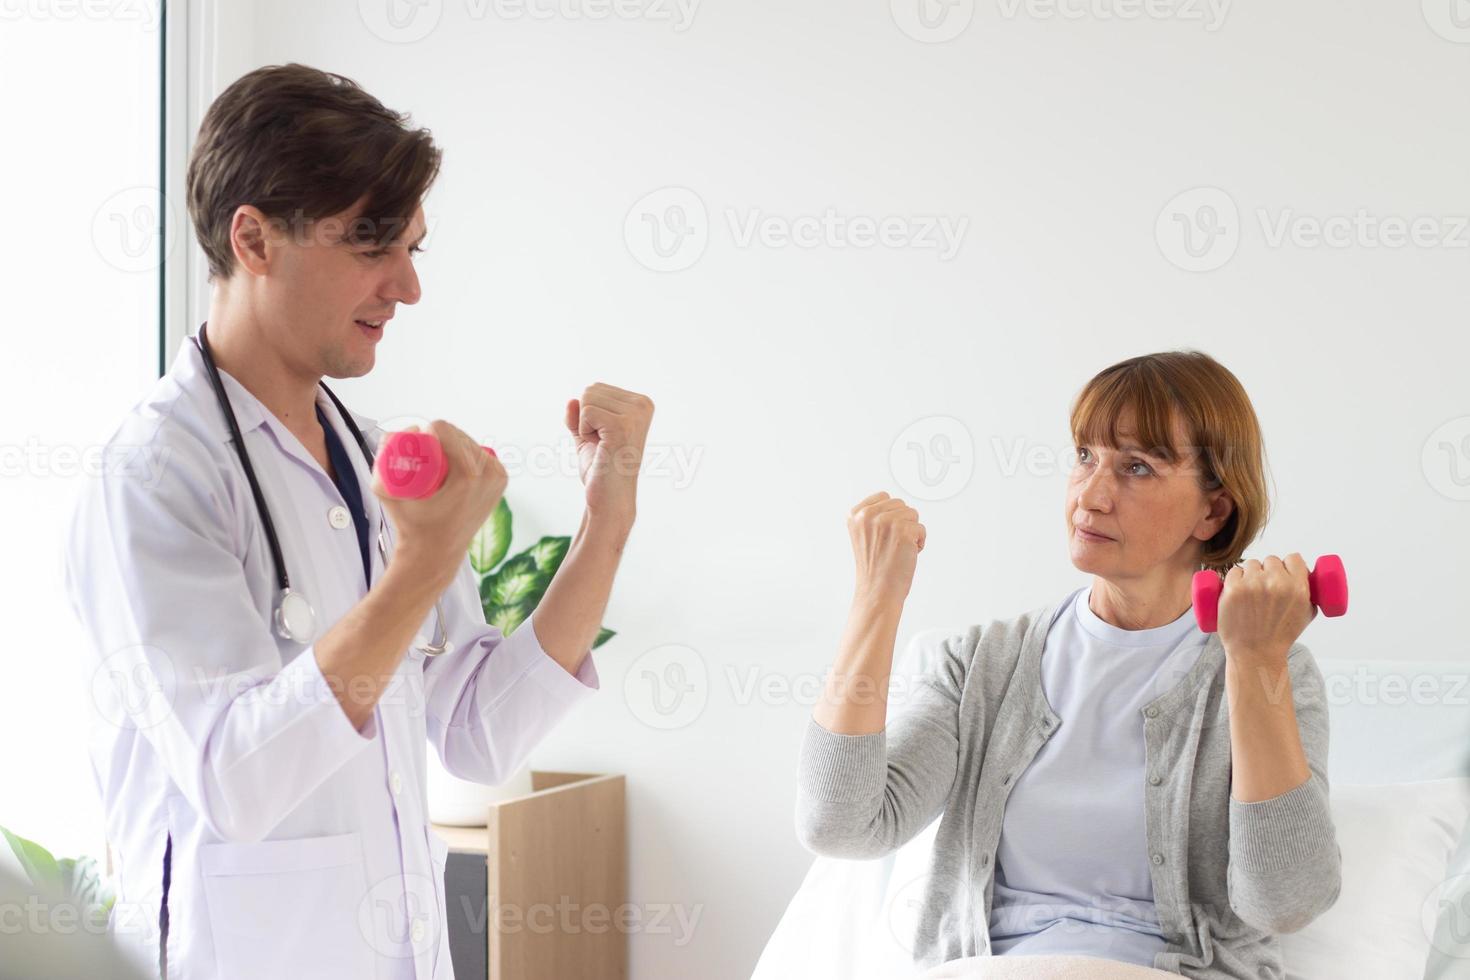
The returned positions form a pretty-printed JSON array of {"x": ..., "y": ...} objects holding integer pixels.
[
  {"x": 492, "y": 541},
  {"x": 87, "y": 889},
  {"x": 508, "y": 618},
  {"x": 548, "y": 553},
  {"x": 514, "y": 581},
  {"x": 36, "y": 861},
  {"x": 510, "y": 593}
]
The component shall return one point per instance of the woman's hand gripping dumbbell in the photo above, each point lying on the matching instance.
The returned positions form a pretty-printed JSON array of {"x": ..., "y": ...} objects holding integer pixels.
[{"x": 1327, "y": 582}]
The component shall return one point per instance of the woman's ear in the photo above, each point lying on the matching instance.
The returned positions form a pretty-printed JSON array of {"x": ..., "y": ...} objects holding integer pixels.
[{"x": 1222, "y": 505}]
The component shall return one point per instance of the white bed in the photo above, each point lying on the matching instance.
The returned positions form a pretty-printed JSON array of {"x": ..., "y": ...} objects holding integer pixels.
[{"x": 1399, "y": 764}]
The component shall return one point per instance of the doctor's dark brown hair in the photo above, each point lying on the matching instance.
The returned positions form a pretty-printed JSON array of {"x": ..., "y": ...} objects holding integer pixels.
[
  {"x": 1225, "y": 448},
  {"x": 301, "y": 144}
]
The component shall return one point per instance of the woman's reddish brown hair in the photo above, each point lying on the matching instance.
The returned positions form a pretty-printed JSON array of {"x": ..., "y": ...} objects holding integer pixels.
[{"x": 1225, "y": 448}]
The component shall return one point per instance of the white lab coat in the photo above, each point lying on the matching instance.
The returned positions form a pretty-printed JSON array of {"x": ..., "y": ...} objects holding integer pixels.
[{"x": 300, "y": 844}]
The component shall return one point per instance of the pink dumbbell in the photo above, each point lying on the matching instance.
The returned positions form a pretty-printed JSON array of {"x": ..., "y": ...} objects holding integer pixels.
[
  {"x": 1327, "y": 579},
  {"x": 412, "y": 464}
]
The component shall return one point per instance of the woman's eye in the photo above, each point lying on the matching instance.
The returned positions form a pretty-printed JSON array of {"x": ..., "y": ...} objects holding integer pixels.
[{"x": 1084, "y": 453}]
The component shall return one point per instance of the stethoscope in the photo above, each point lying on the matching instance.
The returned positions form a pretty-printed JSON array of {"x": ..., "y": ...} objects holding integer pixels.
[{"x": 295, "y": 620}]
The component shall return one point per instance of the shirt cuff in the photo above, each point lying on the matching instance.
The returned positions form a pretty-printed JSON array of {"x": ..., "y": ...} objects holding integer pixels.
[
  {"x": 1279, "y": 833},
  {"x": 549, "y": 675},
  {"x": 337, "y": 726},
  {"x": 841, "y": 768}
]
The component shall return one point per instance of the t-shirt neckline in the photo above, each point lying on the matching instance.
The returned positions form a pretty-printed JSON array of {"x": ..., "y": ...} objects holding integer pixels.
[{"x": 1167, "y": 635}]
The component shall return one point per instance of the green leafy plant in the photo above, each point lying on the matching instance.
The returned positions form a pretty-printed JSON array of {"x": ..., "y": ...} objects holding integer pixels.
[
  {"x": 71, "y": 880},
  {"x": 510, "y": 592}
]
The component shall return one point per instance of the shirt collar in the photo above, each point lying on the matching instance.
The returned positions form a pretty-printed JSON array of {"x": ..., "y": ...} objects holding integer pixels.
[{"x": 192, "y": 376}]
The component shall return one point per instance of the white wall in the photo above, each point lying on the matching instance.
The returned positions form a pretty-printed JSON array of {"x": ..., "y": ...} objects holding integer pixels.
[
  {"x": 789, "y": 374},
  {"x": 79, "y": 258}
]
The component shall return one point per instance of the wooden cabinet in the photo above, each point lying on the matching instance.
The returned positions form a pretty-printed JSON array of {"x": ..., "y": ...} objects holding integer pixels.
[{"x": 540, "y": 891}]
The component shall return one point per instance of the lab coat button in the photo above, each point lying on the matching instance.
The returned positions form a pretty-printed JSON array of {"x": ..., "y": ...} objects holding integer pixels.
[
  {"x": 1158, "y": 859},
  {"x": 1154, "y": 780},
  {"x": 1151, "y": 711},
  {"x": 418, "y": 930},
  {"x": 338, "y": 517},
  {"x": 396, "y": 781}
]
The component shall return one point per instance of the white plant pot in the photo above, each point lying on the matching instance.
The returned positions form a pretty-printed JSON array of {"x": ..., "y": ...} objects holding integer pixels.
[{"x": 457, "y": 802}]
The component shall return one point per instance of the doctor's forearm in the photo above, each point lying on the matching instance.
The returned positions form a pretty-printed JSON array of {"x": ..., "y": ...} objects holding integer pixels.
[
  {"x": 358, "y": 656},
  {"x": 569, "y": 616}
]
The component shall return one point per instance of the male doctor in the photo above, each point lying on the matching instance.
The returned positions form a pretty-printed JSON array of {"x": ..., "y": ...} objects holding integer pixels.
[{"x": 262, "y": 762}]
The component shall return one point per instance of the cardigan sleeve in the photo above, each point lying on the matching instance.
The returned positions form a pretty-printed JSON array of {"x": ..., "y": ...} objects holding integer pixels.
[
  {"x": 863, "y": 796},
  {"x": 1285, "y": 866}
]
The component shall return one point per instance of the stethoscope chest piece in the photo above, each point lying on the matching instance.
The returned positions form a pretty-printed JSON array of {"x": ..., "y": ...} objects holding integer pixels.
[{"x": 295, "y": 619}]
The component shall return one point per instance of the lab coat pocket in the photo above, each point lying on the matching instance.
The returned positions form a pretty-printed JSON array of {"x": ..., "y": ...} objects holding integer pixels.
[
  {"x": 439, "y": 860},
  {"x": 287, "y": 908}
]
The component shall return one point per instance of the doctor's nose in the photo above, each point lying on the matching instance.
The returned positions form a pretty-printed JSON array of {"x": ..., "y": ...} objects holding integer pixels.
[{"x": 403, "y": 287}]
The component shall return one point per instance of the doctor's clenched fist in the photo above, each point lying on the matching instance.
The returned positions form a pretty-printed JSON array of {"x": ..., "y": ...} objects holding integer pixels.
[
  {"x": 886, "y": 540},
  {"x": 435, "y": 531},
  {"x": 610, "y": 428}
]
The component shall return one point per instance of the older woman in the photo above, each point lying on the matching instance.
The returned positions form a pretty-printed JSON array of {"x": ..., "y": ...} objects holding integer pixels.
[{"x": 1113, "y": 782}]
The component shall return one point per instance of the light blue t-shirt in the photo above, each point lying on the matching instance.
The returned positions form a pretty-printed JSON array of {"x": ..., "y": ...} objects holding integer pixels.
[{"x": 1071, "y": 869}]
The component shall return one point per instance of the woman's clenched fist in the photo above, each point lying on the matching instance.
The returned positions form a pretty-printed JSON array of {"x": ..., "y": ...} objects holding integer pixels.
[{"x": 886, "y": 540}]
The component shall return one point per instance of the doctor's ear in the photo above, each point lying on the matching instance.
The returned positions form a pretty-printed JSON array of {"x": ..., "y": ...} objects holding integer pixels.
[{"x": 251, "y": 238}]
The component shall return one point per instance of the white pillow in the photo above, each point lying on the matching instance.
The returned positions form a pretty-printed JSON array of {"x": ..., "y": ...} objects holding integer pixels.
[{"x": 1396, "y": 840}]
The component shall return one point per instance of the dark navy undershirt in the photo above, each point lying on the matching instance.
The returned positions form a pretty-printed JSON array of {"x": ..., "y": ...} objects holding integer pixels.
[{"x": 347, "y": 483}]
